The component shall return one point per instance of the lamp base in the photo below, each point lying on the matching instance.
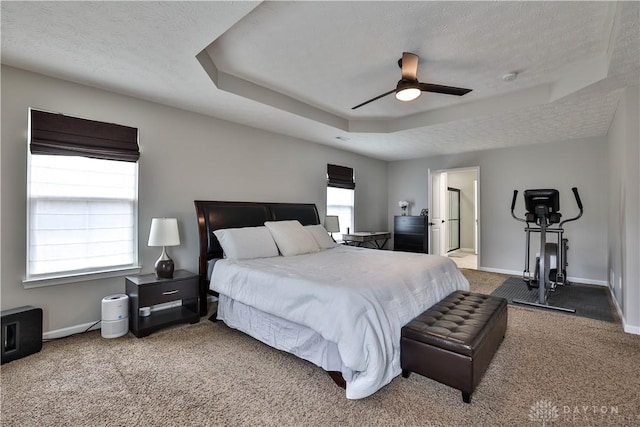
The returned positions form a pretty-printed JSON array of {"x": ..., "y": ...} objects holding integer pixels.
[{"x": 164, "y": 268}]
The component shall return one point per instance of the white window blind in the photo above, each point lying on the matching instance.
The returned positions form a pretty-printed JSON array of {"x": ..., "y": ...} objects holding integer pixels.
[
  {"x": 340, "y": 202},
  {"x": 82, "y": 215}
]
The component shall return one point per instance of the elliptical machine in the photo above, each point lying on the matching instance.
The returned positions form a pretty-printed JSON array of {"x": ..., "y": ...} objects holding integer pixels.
[{"x": 543, "y": 211}]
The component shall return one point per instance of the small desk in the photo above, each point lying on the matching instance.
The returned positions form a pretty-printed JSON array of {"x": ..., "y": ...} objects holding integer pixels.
[{"x": 361, "y": 237}]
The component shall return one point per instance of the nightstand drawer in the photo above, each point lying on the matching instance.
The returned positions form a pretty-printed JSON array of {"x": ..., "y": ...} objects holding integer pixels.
[{"x": 159, "y": 293}]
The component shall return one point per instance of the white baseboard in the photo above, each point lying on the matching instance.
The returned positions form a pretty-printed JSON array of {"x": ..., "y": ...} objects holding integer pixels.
[
  {"x": 635, "y": 330},
  {"x": 71, "y": 330},
  {"x": 630, "y": 329},
  {"x": 571, "y": 279},
  {"x": 500, "y": 271}
]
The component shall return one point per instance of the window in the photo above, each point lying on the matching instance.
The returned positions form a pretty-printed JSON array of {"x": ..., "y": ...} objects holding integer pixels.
[
  {"x": 340, "y": 203},
  {"x": 82, "y": 211},
  {"x": 341, "y": 196}
]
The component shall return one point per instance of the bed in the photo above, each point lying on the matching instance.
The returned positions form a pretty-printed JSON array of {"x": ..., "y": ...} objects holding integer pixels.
[{"x": 339, "y": 307}]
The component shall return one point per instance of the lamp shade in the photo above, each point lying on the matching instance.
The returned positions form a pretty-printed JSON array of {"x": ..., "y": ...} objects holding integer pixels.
[
  {"x": 332, "y": 224},
  {"x": 164, "y": 232}
]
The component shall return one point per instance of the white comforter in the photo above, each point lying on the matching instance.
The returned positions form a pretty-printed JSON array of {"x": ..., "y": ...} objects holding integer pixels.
[{"x": 358, "y": 298}]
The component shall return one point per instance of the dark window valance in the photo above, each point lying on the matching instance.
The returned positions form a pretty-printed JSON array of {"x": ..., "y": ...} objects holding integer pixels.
[
  {"x": 57, "y": 134},
  {"x": 340, "y": 177}
]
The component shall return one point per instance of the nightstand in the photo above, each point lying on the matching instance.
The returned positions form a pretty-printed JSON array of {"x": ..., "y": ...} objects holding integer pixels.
[{"x": 147, "y": 290}]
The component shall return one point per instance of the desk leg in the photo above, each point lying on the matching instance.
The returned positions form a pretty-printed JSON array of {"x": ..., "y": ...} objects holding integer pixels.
[{"x": 380, "y": 246}]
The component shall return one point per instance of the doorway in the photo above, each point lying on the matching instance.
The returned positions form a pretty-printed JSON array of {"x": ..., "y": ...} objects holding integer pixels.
[
  {"x": 454, "y": 210},
  {"x": 453, "y": 219}
]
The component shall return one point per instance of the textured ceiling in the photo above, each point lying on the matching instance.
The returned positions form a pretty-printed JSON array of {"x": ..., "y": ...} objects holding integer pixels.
[
  {"x": 297, "y": 68},
  {"x": 326, "y": 58}
]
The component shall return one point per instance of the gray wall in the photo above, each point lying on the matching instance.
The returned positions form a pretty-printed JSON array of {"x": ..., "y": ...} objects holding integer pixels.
[
  {"x": 581, "y": 163},
  {"x": 184, "y": 156},
  {"x": 624, "y": 209}
]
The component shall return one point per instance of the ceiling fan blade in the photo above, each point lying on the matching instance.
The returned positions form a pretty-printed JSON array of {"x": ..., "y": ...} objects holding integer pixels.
[
  {"x": 447, "y": 90},
  {"x": 373, "y": 99},
  {"x": 409, "y": 64}
]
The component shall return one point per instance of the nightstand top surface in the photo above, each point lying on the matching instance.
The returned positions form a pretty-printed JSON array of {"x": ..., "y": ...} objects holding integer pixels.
[{"x": 142, "y": 279}]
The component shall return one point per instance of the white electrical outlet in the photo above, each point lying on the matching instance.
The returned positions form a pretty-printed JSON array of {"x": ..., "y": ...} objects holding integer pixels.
[{"x": 612, "y": 279}]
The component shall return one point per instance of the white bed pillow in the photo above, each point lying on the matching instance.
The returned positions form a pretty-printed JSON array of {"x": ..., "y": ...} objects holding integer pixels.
[
  {"x": 246, "y": 242},
  {"x": 321, "y": 236},
  {"x": 292, "y": 238}
]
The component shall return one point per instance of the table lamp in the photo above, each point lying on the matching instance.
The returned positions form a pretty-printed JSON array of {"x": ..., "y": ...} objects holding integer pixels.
[
  {"x": 332, "y": 224},
  {"x": 164, "y": 232}
]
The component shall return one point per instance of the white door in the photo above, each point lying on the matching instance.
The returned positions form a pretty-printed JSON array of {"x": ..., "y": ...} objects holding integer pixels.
[{"x": 437, "y": 213}]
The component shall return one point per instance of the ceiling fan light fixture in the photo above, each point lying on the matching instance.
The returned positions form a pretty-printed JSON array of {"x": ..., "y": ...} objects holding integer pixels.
[
  {"x": 408, "y": 94},
  {"x": 407, "y": 91}
]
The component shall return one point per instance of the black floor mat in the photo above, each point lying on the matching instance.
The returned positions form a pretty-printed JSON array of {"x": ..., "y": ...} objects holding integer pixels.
[{"x": 589, "y": 301}]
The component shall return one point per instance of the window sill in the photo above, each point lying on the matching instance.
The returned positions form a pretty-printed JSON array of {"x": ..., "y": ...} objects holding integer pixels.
[{"x": 80, "y": 277}]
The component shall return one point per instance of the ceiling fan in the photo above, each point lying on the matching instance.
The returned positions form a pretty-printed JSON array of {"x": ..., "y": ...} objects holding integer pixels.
[{"x": 409, "y": 88}]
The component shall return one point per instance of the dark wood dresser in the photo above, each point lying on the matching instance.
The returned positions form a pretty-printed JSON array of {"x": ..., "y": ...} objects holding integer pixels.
[{"x": 410, "y": 233}]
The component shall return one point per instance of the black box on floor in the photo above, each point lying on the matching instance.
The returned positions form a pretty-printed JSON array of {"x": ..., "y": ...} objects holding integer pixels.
[{"x": 21, "y": 332}]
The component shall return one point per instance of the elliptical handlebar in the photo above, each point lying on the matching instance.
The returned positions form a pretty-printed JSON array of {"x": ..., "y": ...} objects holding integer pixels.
[
  {"x": 513, "y": 206},
  {"x": 578, "y": 202},
  {"x": 576, "y": 195}
]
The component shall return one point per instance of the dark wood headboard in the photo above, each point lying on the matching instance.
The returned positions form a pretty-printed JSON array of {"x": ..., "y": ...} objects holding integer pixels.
[{"x": 214, "y": 215}]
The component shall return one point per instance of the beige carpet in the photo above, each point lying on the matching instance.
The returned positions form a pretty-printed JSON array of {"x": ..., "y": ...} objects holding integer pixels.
[
  {"x": 464, "y": 259},
  {"x": 550, "y": 368}
]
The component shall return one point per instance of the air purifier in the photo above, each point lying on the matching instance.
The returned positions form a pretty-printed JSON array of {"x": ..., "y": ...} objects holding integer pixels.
[{"x": 115, "y": 316}]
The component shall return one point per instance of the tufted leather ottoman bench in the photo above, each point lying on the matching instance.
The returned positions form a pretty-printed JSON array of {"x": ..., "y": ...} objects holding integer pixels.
[{"x": 454, "y": 341}]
